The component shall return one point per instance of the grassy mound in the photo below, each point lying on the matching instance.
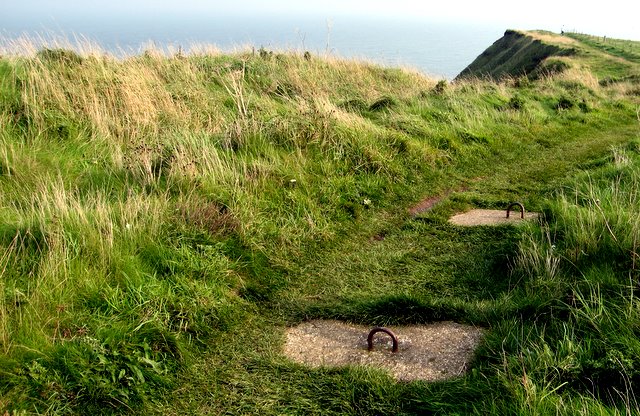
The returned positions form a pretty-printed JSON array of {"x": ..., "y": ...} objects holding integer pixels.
[{"x": 163, "y": 217}]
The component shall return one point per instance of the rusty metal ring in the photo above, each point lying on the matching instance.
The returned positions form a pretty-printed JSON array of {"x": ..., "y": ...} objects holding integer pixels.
[
  {"x": 386, "y": 331},
  {"x": 514, "y": 204}
]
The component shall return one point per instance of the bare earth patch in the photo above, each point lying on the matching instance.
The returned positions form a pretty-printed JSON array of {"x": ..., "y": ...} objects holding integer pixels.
[
  {"x": 425, "y": 352},
  {"x": 553, "y": 39},
  {"x": 424, "y": 205},
  {"x": 490, "y": 217}
]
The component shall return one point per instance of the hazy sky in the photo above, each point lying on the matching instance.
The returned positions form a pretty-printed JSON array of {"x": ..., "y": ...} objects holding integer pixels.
[{"x": 614, "y": 18}]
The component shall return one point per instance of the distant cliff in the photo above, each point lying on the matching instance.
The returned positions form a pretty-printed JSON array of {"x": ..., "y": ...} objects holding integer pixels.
[{"x": 516, "y": 53}]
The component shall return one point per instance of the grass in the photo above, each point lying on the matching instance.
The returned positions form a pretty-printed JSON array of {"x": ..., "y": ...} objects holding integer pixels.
[
  {"x": 164, "y": 217},
  {"x": 627, "y": 49}
]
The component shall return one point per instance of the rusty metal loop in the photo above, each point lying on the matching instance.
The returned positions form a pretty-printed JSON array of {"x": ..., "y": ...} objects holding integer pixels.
[
  {"x": 514, "y": 204},
  {"x": 386, "y": 331}
]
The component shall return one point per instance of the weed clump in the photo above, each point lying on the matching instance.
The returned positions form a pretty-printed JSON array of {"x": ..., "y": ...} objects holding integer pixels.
[
  {"x": 6, "y": 170},
  {"x": 470, "y": 137},
  {"x": 584, "y": 107},
  {"x": 60, "y": 56},
  {"x": 516, "y": 103},
  {"x": 383, "y": 103},
  {"x": 212, "y": 217},
  {"x": 522, "y": 82},
  {"x": 355, "y": 105},
  {"x": 564, "y": 103},
  {"x": 440, "y": 87},
  {"x": 552, "y": 67},
  {"x": 265, "y": 53}
]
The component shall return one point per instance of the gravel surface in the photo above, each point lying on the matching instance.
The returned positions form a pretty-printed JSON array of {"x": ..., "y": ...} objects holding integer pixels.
[
  {"x": 432, "y": 352},
  {"x": 490, "y": 217}
]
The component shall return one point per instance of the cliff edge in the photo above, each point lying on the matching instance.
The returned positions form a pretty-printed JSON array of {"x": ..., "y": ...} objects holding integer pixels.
[{"x": 517, "y": 53}]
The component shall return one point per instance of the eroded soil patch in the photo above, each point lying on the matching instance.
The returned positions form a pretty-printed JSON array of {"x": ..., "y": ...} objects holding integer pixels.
[
  {"x": 425, "y": 352},
  {"x": 425, "y": 205}
]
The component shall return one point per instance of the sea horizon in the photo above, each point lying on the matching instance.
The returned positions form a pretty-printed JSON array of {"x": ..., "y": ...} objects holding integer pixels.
[{"x": 437, "y": 49}]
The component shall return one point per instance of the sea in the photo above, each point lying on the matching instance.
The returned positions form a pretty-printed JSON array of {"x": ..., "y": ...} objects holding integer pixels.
[{"x": 436, "y": 48}]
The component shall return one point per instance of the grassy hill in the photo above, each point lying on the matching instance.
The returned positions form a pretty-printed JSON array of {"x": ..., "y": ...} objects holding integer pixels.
[
  {"x": 515, "y": 54},
  {"x": 539, "y": 53},
  {"x": 163, "y": 218}
]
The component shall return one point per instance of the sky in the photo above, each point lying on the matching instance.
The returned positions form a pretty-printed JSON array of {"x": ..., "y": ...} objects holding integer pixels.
[
  {"x": 611, "y": 17},
  {"x": 614, "y": 18}
]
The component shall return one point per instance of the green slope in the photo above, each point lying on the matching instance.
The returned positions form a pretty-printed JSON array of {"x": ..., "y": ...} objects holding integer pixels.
[
  {"x": 163, "y": 218},
  {"x": 515, "y": 54},
  {"x": 538, "y": 53}
]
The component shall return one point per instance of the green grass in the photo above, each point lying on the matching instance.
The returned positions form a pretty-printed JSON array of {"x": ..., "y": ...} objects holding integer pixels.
[
  {"x": 627, "y": 49},
  {"x": 163, "y": 218}
]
